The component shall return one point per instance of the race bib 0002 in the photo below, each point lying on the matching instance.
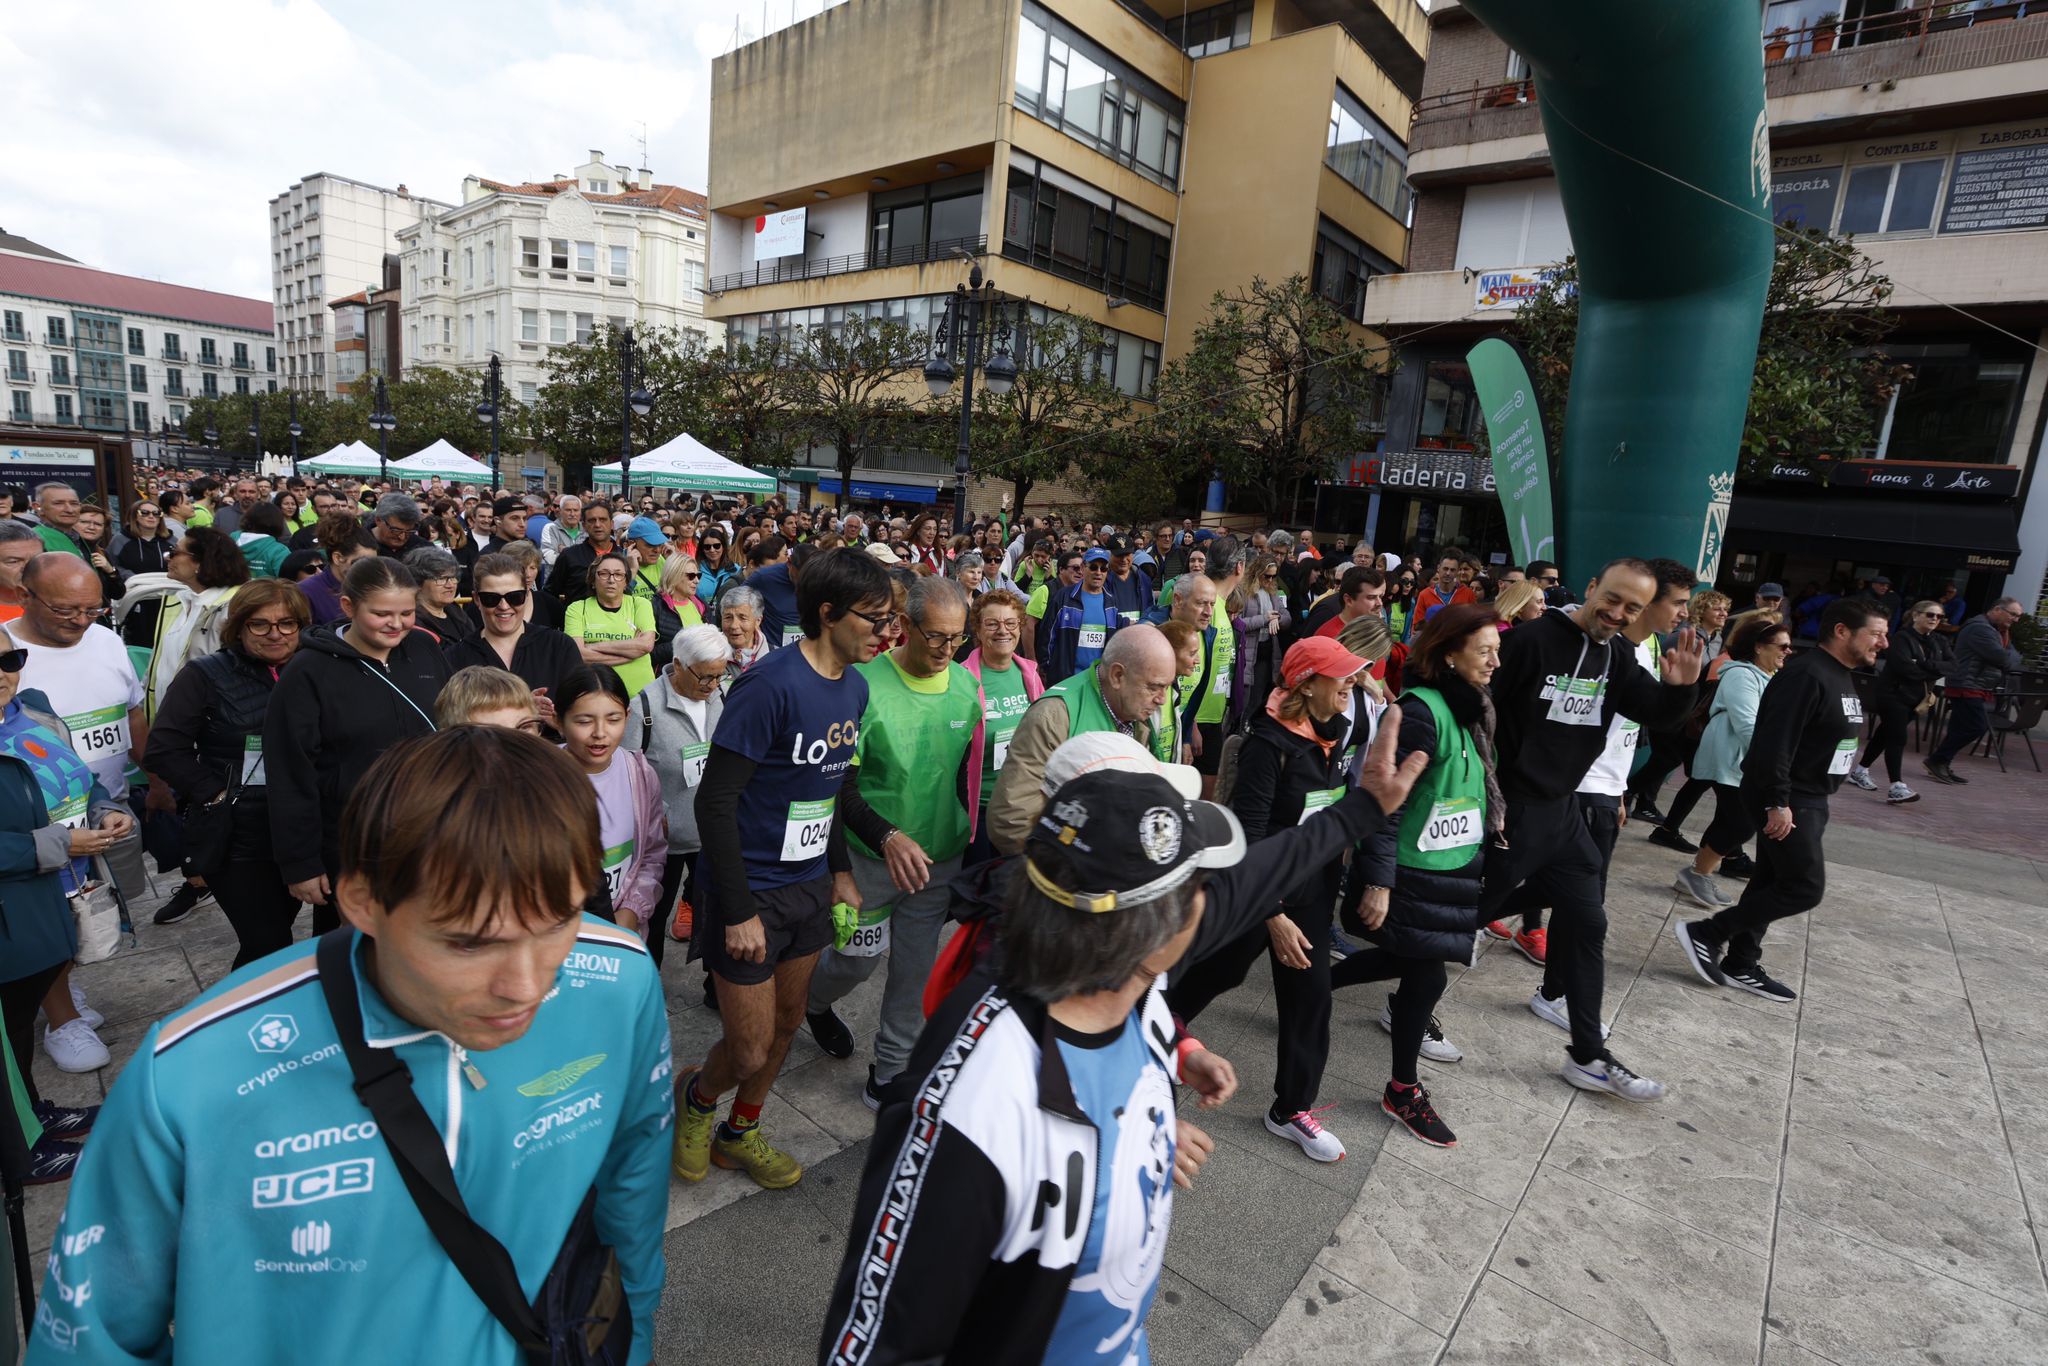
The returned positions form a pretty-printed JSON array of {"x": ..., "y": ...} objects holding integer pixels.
[
  {"x": 1576, "y": 701},
  {"x": 1452, "y": 825}
]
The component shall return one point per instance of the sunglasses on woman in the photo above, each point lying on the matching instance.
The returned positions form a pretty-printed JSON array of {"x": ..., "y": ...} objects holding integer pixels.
[
  {"x": 13, "y": 661},
  {"x": 515, "y": 598}
]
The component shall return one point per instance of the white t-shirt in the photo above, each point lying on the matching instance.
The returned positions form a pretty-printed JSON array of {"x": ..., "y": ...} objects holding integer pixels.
[
  {"x": 91, "y": 685},
  {"x": 1609, "y": 773}
]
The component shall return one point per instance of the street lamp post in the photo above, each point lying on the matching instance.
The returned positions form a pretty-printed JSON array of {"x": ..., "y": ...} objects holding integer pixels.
[
  {"x": 976, "y": 322},
  {"x": 487, "y": 411},
  {"x": 636, "y": 399},
  {"x": 383, "y": 420},
  {"x": 256, "y": 434},
  {"x": 296, "y": 430}
]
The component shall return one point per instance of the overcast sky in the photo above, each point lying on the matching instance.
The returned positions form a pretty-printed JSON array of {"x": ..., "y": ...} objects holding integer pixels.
[{"x": 149, "y": 136}]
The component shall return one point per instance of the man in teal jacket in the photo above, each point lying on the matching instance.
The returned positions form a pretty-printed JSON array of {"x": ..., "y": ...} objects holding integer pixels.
[{"x": 235, "y": 1185}]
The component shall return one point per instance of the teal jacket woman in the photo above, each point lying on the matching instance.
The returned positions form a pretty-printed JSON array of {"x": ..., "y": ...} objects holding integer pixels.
[
  {"x": 36, "y": 929},
  {"x": 1725, "y": 741}
]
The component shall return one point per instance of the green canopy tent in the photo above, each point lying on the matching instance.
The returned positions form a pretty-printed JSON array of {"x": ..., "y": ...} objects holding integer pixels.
[
  {"x": 444, "y": 461},
  {"x": 351, "y": 458},
  {"x": 687, "y": 463}
]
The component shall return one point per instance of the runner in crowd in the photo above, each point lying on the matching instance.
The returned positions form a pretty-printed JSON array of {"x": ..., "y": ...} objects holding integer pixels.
[
  {"x": 1914, "y": 659},
  {"x": 674, "y": 601},
  {"x": 349, "y": 694},
  {"x": 775, "y": 842},
  {"x": 1078, "y": 621},
  {"x": 343, "y": 541},
  {"x": 590, "y": 710},
  {"x": 672, "y": 724},
  {"x": 1984, "y": 657},
  {"x": 540, "y": 655},
  {"x": 1447, "y": 589},
  {"x": 1264, "y": 625},
  {"x": 1009, "y": 684},
  {"x": 739, "y": 620},
  {"x": 1129, "y": 592},
  {"x": 1758, "y": 648},
  {"x": 1562, "y": 678},
  {"x": 60, "y": 817},
  {"x": 1215, "y": 707},
  {"x": 919, "y": 764},
  {"x": 483, "y": 695},
  {"x": 440, "y": 577},
  {"x": 1600, "y": 795},
  {"x": 1361, "y": 592},
  {"x": 569, "y": 573},
  {"x": 715, "y": 565},
  {"x": 1123, "y": 693},
  {"x": 1173, "y": 728},
  {"x": 1066, "y": 573},
  {"x": 451, "y": 972},
  {"x": 394, "y": 526},
  {"x": 611, "y": 627},
  {"x": 207, "y": 744},
  {"x": 1807, "y": 728},
  {"x": 261, "y": 538},
  {"x": 146, "y": 550},
  {"x": 1291, "y": 766},
  {"x": 772, "y": 573}
]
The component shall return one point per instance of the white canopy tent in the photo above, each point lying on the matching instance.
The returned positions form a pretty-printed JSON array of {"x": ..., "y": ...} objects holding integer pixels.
[
  {"x": 444, "y": 460},
  {"x": 350, "y": 458},
  {"x": 687, "y": 463}
]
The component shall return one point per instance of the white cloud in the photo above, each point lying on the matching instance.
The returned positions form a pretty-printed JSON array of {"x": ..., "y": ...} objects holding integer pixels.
[{"x": 157, "y": 149}]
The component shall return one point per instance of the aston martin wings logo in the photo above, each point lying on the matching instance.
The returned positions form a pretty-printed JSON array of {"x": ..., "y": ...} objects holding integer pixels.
[{"x": 561, "y": 1078}]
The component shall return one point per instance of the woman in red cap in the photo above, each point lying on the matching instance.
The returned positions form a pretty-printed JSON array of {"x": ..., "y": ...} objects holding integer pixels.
[{"x": 1290, "y": 767}]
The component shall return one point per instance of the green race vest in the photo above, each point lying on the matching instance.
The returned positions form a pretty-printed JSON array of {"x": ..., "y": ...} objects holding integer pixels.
[
  {"x": 1222, "y": 664},
  {"x": 1443, "y": 826},
  {"x": 1166, "y": 725},
  {"x": 1086, "y": 711}
]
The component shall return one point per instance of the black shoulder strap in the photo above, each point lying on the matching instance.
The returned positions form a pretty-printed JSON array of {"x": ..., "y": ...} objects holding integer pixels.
[
  {"x": 646, "y": 720},
  {"x": 384, "y": 1085}
]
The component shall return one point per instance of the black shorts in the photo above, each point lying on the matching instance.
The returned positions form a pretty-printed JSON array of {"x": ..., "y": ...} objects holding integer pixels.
[
  {"x": 1212, "y": 746},
  {"x": 797, "y": 919}
]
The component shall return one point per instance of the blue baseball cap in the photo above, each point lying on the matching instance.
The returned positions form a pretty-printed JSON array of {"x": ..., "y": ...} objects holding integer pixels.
[
  {"x": 647, "y": 529},
  {"x": 1096, "y": 556}
]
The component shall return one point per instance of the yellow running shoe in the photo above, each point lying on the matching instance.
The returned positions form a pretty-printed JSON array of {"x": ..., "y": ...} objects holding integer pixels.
[
  {"x": 691, "y": 1157},
  {"x": 771, "y": 1168}
]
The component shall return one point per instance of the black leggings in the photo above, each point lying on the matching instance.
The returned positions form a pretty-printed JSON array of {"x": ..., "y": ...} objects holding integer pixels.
[
  {"x": 680, "y": 869},
  {"x": 1681, "y": 806},
  {"x": 20, "y": 999},
  {"x": 253, "y": 896},
  {"x": 1302, "y": 996},
  {"x": 1732, "y": 825},
  {"x": 1422, "y": 986},
  {"x": 1894, "y": 719}
]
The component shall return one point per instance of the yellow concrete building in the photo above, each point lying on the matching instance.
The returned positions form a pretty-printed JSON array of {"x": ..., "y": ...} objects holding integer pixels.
[{"x": 1116, "y": 160}]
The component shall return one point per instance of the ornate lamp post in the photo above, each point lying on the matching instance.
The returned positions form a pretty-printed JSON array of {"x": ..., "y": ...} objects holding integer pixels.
[
  {"x": 487, "y": 411},
  {"x": 384, "y": 421},
  {"x": 636, "y": 399},
  {"x": 976, "y": 332}
]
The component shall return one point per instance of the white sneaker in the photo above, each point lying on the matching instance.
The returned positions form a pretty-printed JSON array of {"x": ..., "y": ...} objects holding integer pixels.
[
  {"x": 75, "y": 1048},
  {"x": 1605, "y": 1074},
  {"x": 1554, "y": 1011},
  {"x": 1860, "y": 776},
  {"x": 1702, "y": 889},
  {"x": 1314, "y": 1139},
  {"x": 1900, "y": 794},
  {"x": 85, "y": 1012},
  {"x": 1435, "y": 1046}
]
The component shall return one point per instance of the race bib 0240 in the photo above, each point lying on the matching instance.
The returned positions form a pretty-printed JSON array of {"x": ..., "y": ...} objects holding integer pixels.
[{"x": 809, "y": 825}]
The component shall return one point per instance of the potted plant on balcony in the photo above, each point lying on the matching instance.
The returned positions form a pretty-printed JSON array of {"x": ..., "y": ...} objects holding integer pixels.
[
  {"x": 1824, "y": 31},
  {"x": 1776, "y": 44},
  {"x": 1501, "y": 96}
]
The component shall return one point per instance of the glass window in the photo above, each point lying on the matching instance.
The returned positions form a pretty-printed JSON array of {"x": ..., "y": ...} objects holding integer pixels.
[
  {"x": 1030, "y": 62},
  {"x": 60, "y": 370},
  {"x": 241, "y": 384},
  {"x": 1913, "y": 196},
  {"x": 138, "y": 379},
  {"x": 1863, "y": 206},
  {"x": 490, "y": 330},
  {"x": 1082, "y": 89},
  {"x": 558, "y": 253},
  {"x": 619, "y": 262},
  {"x": 529, "y": 324},
  {"x": 1074, "y": 237},
  {"x": 1960, "y": 403},
  {"x": 17, "y": 365},
  {"x": 586, "y": 258},
  {"x": 469, "y": 266},
  {"x": 21, "y": 409},
  {"x": 64, "y": 406},
  {"x": 1367, "y": 154},
  {"x": 529, "y": 391},
  {"x": 558, "y": 327},
  {"x": 1899, "y": 197},
  {"x": 54, "y": 330},
  {"x": 469, "y": 334},
  {"x": 14, "y": 332},
  {"x": 135, "y": 341},
  {"x": 174, "y": 381},
  {"x": 490, "y": 262},
  {"x": 529, "y": 252},
  {"x": 585, "y": 325}
]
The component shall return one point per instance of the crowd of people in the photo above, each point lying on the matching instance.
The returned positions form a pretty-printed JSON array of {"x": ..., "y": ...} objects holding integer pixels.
[{"x": 511, "y": 750}]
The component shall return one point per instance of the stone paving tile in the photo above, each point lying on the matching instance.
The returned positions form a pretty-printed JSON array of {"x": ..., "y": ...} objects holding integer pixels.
[
  {"x": 1251, "y": 1228},
  {"x": 1722, "y": 1187},
  {"x": 1506, "y": 1323},
  {"x": 1661, "y": 1285},
  {"x": 1331, "y": 1322},
  {"x": 1852, "y": 1302},
  {"x": 1499, "y": 1142},
  {"x": 1187, "y": 1324},
  {"x": 1416, "y": 1243}
]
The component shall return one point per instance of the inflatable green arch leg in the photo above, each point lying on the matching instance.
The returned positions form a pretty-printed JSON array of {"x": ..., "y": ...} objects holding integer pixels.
[{"x": 1642, "y": 101}]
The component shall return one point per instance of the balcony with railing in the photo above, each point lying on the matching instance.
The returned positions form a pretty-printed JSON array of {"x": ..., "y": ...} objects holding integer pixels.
[
  {"x": 23, "y": 376},
  {"x": 174, "y": 391},
  {"x": 173, "y": 353},
  {"x": 799, "y": 268},
  {"x": 210, "y": 358}
]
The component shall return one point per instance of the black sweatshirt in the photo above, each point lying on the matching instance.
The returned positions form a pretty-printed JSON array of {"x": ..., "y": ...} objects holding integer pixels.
[
  {"x": 1543, "y": 759},
  {"x": 1810, "y": 710}
]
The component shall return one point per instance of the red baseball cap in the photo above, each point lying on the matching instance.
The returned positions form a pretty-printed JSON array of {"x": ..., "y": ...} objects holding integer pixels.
[{"x": 1318, "y": 655}]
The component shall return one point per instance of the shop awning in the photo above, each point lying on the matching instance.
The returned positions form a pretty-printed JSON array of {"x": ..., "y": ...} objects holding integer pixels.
[{"x": 1878, "y": 530}]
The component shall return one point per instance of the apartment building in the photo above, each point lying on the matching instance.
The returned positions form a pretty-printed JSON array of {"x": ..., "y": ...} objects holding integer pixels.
[
  {"x": 329, "y": 236},
  {"x": 91, "y": 350},
  {"x": 1921, "y": 129},
  {"x": 1115, "y": 160},
  {"x": 519, "y": 268}
]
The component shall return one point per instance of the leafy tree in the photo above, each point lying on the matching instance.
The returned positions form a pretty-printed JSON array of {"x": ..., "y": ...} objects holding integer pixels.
[
  {"x": 753, "y": 392},
  {"x": 580, "y": 406},
  {"x": 854, "y": 392},
  {"x": 1268, "y": 394},
  {"x": 1821, "y": 381},
  {"x": 1061, "y": 405}
]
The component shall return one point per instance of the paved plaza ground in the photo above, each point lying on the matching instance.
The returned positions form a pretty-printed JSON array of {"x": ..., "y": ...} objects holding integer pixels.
[{"x": 1849, "y": 1179}]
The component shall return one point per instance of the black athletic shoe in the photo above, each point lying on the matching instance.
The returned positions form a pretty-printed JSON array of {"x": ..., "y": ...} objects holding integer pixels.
[
  {"x": 1672, "y": 839},
  {"x": 831, "y": 1033},
  {"x": 871, "y": 1095},
  {"x": 1643, "y": 809},
  {"x": 1411, "y": 1108},
  {"x": 1757, "y": 982},
  {"x": 1738, "y": 865},
  {"x": 51, "y": 1160},
  {"x": 1704, "y": 954},
  {"x": 1941, "y": 773},
  {"x": 64, "y": 1121},
  {"x": 183, "y": 902}
]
